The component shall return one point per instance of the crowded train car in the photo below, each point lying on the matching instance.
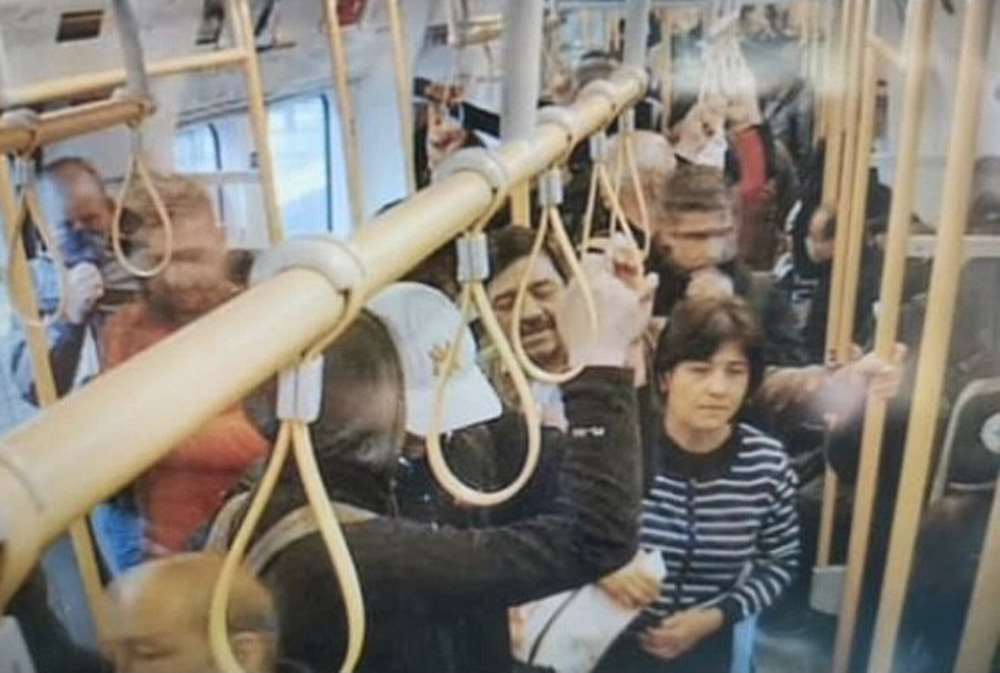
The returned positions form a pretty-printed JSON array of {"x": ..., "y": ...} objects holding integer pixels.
[{"x": 484, "y": 336}]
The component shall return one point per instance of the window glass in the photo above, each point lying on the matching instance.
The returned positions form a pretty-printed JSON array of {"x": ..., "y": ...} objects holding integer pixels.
[
  {"x": 196, "y": 150},
  {"x": 299, "y": 131}
]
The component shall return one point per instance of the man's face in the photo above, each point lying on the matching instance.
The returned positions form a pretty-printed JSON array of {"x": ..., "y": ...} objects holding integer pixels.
[
  {"x": 195, "y": 280},
  {"x": 692, "y": 240},
  {"x": 704, "y": 396},
  {"x": 82, "y": 214},
  {"x": 154, "y": 633},
  {"x": 89, "y": 208},
  {"x": 539, "y": 326}
]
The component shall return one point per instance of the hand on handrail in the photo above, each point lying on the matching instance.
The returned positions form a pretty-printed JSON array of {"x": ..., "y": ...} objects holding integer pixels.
[{"x": 624, "y": 297}]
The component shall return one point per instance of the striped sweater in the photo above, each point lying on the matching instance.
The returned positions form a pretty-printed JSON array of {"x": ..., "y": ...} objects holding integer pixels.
[{"x": 725, "y": 523}]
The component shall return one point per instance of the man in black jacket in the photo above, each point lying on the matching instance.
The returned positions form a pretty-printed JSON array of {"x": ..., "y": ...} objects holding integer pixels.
[{"x": 414, "y": 575}]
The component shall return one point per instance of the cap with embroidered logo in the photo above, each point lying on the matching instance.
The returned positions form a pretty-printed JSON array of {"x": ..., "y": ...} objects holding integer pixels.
[{"x": 423, "y": 322}]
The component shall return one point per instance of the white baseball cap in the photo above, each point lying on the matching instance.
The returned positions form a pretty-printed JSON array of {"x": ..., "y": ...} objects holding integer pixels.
[{"x": 423, "y": 322}]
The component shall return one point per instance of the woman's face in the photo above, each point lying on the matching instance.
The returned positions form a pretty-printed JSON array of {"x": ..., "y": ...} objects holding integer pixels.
[{"x": 705, "y": 395}]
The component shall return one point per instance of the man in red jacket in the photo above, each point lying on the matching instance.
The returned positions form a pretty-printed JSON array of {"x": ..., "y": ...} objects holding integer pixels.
[{"x": 184, "y": 490}]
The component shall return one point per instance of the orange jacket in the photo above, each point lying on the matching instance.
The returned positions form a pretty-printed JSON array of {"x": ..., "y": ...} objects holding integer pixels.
[{"x": 185, "y": 489}]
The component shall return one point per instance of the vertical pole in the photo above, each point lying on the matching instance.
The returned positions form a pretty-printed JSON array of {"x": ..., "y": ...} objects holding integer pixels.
[
  {"x": 666, "y": 69},
  {"x": 522, "y": 59},
  {"x": 918, "y": 36},
  {"x": 243, "y": 32},
  {"x": 829, "y": 69},
  {"x": 637, "y": 33},
  {"x": 982, "y": 625},
  {"x": 843, "y": 325},
  {"x": 348, "y": 119},
  {"x": 45, "y": 387},
  {"x": 404, "y": 89},
  {"x": 836, "y": 102},
  {"x": 835, "y": 167},
  {"x": 936, "y": 338}
]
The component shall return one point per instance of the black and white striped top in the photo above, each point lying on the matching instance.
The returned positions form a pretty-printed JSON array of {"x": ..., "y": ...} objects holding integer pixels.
[{"x": 725, "y": 523}]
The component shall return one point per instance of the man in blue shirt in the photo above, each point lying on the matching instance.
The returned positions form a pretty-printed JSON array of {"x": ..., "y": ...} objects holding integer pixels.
[{"x": 80, "y": 212}]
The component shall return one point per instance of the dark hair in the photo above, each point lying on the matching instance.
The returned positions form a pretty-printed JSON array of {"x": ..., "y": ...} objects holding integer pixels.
[
  {"x": 699, "y": 327},
  {"x": 361, "y": 371},
  {"x": 694, "y": 188},
  {"x": 509, "y": 244}
]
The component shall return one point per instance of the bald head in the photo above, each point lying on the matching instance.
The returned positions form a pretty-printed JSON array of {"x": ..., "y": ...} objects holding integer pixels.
[{"x": 158, "y": 617}]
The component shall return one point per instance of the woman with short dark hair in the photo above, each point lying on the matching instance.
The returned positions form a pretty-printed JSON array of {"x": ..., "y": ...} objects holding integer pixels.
[{"x": 719, "y": 506}]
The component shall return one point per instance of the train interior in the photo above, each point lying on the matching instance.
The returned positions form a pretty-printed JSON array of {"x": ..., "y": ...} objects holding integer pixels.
[{"x": 337, "y": 132}]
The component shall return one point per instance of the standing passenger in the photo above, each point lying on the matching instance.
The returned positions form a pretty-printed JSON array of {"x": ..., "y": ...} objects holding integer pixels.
[
  {"x": 73, "y": 199},
  {"x": 719, "y": 507},
  {"x": 183, "y": 491}
]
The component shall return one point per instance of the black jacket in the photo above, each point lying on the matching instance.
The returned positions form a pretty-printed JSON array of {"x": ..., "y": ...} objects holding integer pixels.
[{"x": 416, "y": 577}]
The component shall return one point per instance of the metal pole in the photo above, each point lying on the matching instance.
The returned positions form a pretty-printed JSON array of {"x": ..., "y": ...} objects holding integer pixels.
[
  {"x": 637, "y": 33},
  {"x": 936, "y": 338},
  {"x": 404, "y": 90},
  {"x": 57, "y": 126},
  {"x": 149, "y": 403},
  {"x": 522, "y": 58},
  {"x": 836, "y": 105},
  {"x": 243, "y": 32},
  {"x": 137, "y": 83},
  {"x": 78, "y": 85},
  {"x": 982, "y": 625},
  {"x": 918, "y": 30},
  {"x": 348, "y": 119},
  {"x": 23, "y": 287},
  {"x": 834, "y": 169}
]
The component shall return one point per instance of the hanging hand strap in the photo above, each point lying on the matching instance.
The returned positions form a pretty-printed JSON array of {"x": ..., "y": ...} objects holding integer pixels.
[
  {"x": 551, "y": 197},
  {"x": 137, "y": 164},
  {"x": 300, "y": 392},
  {"x": 473, "y": 270}
]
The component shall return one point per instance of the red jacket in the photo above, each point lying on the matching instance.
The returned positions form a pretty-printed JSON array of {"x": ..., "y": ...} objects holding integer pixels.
[{"x": 184, "y": 490}]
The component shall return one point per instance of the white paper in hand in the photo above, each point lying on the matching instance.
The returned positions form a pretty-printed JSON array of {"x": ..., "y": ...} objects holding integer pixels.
[{"x": 572, "y": 630}]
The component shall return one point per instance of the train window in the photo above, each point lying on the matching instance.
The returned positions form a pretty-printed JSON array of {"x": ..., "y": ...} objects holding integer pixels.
[
  {"x": 300, "y": 142},
  {"x": 196, "y": 150}
]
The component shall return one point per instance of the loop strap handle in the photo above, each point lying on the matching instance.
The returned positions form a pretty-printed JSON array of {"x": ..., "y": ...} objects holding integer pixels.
[
  {"x": 551, "y": 197},
  {"x": 137, "y": 164},
  {"x": 300, "y": 391},
  {"x": 474, "y": 293}
]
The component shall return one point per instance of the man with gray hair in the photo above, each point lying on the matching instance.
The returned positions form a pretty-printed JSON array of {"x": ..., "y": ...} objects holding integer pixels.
[{"x": 80, "y": 211}]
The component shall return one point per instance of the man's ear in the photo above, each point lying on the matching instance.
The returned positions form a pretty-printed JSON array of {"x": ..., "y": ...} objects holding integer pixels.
[
  {"x": 664, "y": 383},
  {"x": 256, "y": 651}
]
